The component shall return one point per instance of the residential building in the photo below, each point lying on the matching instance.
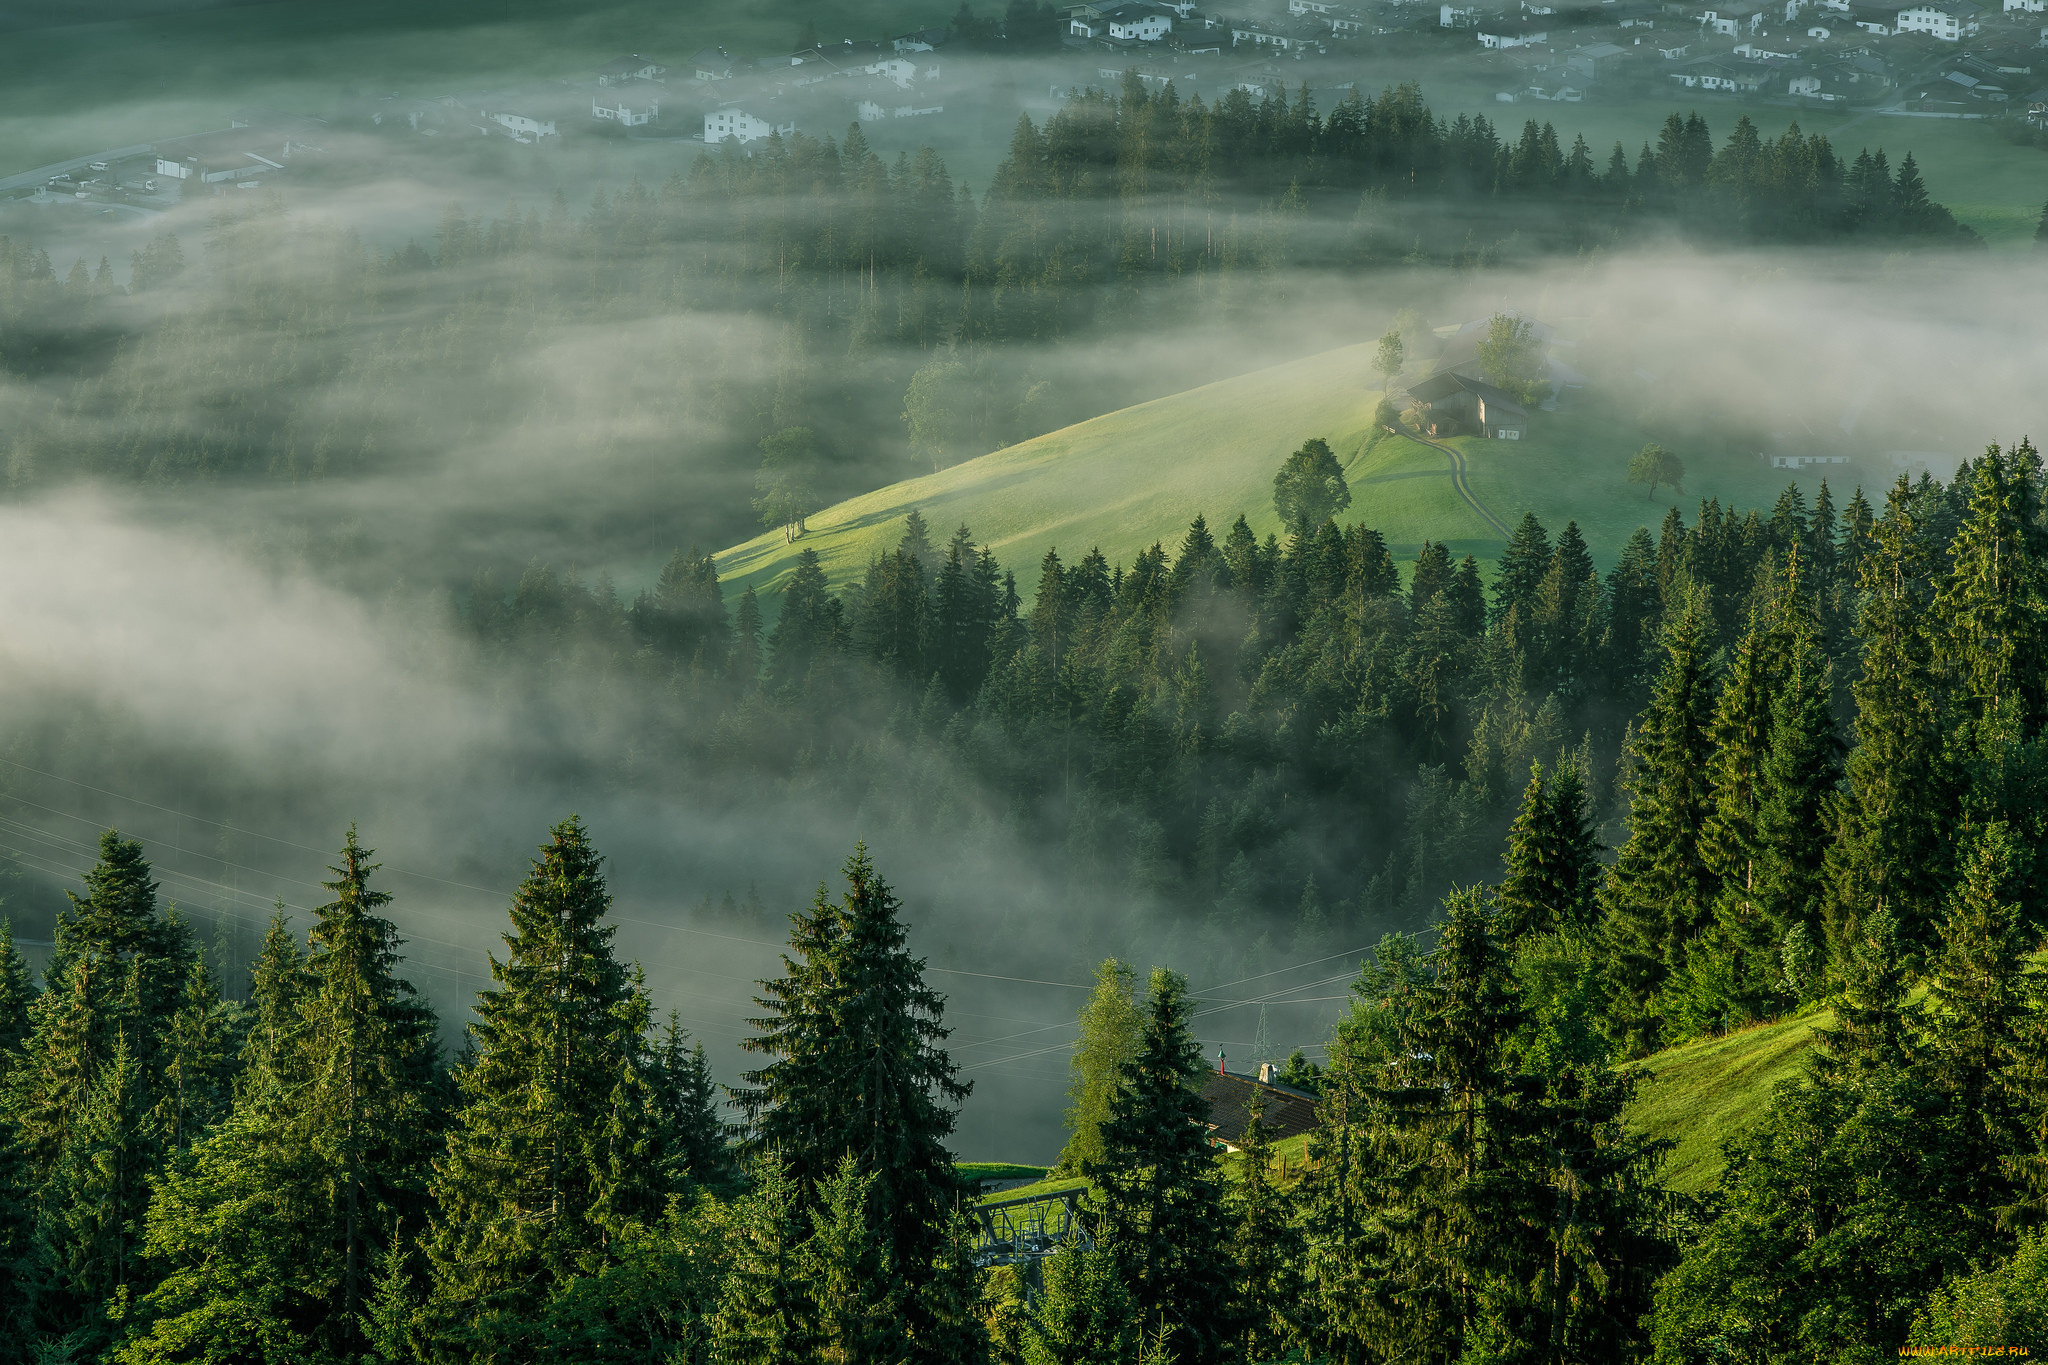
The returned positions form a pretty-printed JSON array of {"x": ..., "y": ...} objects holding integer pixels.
[
  {"x": 1733, "y": 21},
  {"x": 1594, "y": 61},
  {"x": 1230, "y": 1096},
  {"x": 1457, "y": 16},
  {"x": 1880, "y": 17},
  {"x": 730, "y": 122},
  {"x": 634, "y": 68},
  {"x": 1494, "y": 33},
  {"x": 1454, "y": 403},
  {"x": 712, "y": 64},
  {"x": 523, "y": 127},
  {"x": 1135, "y": 20},
  {"x": 1949, "y": 20},
  {"x": 631, "y": 111},
  {"x": 2025, "y": 6}
]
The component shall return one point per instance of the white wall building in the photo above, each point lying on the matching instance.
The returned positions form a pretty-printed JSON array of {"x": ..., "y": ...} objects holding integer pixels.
[
  {"x": 1950, "y": 22},
  {"x": 2025, "y": 6},
  {"x": 522, "y": 127},
  {"x": 632, "y": 113},
  {"x": 1733, "y": 21},
  {"x": 735, "y": 123}
]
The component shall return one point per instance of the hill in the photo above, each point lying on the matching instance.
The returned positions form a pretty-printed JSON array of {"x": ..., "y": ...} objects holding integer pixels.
[
  {"x": 1121, "y": 481},
  {"x": 1703, "y": 1092}
]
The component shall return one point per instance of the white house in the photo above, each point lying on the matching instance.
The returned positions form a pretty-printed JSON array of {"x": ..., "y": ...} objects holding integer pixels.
[
  {"x": 1513, "y": 33},
  {"x": 522, "y": 127},
  {"x": 632, "y": 112},
  {"x": 730, "y": 121},
  {"x": 1733, "y": 21},
  {"x": 1316, "y": 7},
  {"x": 1457, "y": 16},
  {"x": 214, "y": 158},
  {"x": 1142, "y": 23},
  {"x": 871, "y": 110},
  {"x": 1279, "y": 42},
  {"x": 712, "y": 64},
  {"x": 2025, "y": 6},
  {"x": 634, "y": 68},
  {"x": 1949, "y": 20}
]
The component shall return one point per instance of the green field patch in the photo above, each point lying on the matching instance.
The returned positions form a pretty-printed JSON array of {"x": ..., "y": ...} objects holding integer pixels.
[
  {"x": 998, "y": 1170},
  {"x": 1704, "y": 1092}
]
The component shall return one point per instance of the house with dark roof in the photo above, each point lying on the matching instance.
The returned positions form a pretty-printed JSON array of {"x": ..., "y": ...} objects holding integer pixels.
[
  {"x": 1453, "y": 404},
  {"x": 1287, "y": 1111},
  {"x": 633, "y": 68}
]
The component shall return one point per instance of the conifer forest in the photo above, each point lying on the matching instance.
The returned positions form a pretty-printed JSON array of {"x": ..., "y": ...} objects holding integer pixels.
[{"x": 1230, "y": 706}]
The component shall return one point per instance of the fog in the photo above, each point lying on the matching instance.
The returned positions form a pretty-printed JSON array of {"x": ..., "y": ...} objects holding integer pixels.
[{"x": 233, "y": 661}]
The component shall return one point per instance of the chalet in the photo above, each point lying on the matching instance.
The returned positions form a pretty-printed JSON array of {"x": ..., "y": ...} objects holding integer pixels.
[
  {"x": 712, "y": 64},
  {"x": 634, "y": 68},
  {"x": 1452, "y": 403},
  {"x": 924, "y": 40},
  {"x": 731, "y": 123},
  {"x": 1272, "y": 35},
  {"x": 1880, "y": 17},
  {"x": 1287, "y": 1111}
]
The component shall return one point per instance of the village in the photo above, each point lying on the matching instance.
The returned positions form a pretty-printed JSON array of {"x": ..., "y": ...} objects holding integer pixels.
[{"x": 1926, "y": 58}]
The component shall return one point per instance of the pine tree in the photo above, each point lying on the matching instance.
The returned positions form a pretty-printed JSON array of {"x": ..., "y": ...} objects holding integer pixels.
[
  {"x": 198, "y": 1061},
  {"x": 524, "y": 1191},
  {"x": 686, "y": 1112},
  {"x": 359, "y": 1098},
  {"x": 1158, "y": 1195},
  {"x": 765, "y": 1314},
  {"x": 1266, "y": 1248},
  {"x": 277, "y": 986},
  {"x": 1551, "y": 871},
  {"x": 1085, "y": 1315},
  {"x": 1890, "y": 851},
  {"x": 1989, "y": 612},
  {"x": 17, "y": 995},
  {"x": 1112, "y": 1026},
  {"x": 845, "y": 1265},
  {"x": 858, "y": 1065},
  {"x": 98, "y": 1194},
  {"x": 1522, "y": 566},
  {"x": 1657, "y": 895},
  {"x": 1978, "y": 1006}
]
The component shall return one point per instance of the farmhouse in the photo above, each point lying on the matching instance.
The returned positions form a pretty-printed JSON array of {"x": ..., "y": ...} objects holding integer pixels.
[
  {"x": 712, "y": 64},
  {"x": 1287, "y": 1111},
  {"x": 522, "y": 127},
  {"x": 1133, "y": 20},
  {"x": 1451, "y": 403}
]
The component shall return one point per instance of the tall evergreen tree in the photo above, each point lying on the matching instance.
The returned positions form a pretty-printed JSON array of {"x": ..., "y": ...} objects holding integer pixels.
[
  {"x": 526, "y": 1196},
  {"x": 1657, "y": 896},
  {"x": 858, "y": 1066},
  {"x": 1158, "y": 1194},
  {"x": 1889, "y": 852}
]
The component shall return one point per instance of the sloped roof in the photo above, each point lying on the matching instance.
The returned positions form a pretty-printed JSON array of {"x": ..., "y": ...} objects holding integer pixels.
[
  {"x": 1448, "y": 382},
  {"x": 1289, "y": 1112}
]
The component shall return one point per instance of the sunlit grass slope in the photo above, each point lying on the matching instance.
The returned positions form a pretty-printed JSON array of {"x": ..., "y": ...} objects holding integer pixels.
[
  {"x": 1701, "y": 1093},
  {"x": 1124, "y": 480}
]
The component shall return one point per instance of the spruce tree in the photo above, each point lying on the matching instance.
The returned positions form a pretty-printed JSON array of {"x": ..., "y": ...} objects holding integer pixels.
[
  {"x": 1890, "y": 852},
  {"x": 97, "y": 1195},
  {"x": 1551, "y": 871},
  {"x": 1522, "y": 566},
  {"x": 361, "y": 1102},
  {"x": 1266, "y": 1248},
  {"x": 765, "y": 1314},
  {"x": 858, "y": 1066},
  {"x": 1978, "y": 1006},
  {"x": 1158, "y": 1194},
  {"x": 1084, "y": 1315},
  {"x": 1657, "y": 895},
  {"x": 854, "y": 1294},
  {"x": 694, "y": 1146},
  {"x": 17, "y": 995},
  {"x": 524, "y": 1192}
]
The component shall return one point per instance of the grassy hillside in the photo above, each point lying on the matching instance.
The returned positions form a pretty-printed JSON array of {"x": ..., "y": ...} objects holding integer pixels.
[
  {"x": 1124, "y": 480},
  {"x": 1702, "y": 1093}
]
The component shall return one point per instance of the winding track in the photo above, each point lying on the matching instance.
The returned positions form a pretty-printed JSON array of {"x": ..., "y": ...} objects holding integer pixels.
[{"x": 1457, "y": 460}]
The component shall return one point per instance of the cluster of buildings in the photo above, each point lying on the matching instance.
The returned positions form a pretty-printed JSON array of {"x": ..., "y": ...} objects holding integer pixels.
[{"x": 1936, "y": 56}]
